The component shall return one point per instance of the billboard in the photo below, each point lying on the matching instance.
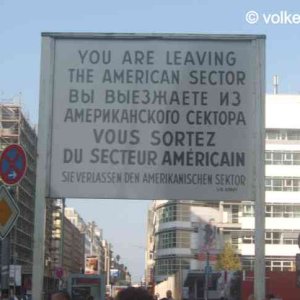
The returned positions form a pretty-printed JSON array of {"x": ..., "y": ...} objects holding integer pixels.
[
  {"x": 91, "y": 264},
  {"x": 210, "y": 238},
  {"x": 152, "y": 116}
]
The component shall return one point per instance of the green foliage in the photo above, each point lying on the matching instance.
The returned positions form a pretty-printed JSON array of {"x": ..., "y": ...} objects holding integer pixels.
[{"x": 228, "y": 260}]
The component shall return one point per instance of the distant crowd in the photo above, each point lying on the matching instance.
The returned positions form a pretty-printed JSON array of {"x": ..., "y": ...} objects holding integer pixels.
[{"x": 130, "y": 293}]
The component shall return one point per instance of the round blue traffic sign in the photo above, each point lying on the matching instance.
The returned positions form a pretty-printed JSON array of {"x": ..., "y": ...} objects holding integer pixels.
[{"x": 13, "y": 164}]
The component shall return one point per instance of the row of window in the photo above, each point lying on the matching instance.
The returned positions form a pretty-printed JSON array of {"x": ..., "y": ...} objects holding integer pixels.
[
  {"x": 173, "y": 239},
  {"x": 271, "y": 265},
  {"x": 283, "y": 134},
  {"x": 174, "y": 212},
  {"x": 271, "y": 211},
  {"x": 282, "y": 158},
  {"x": 274, "y": 237},
  {"x": 275, "y": 211},
  {"x": 282, "y": 184},
  {"x": 169, "y": 266}
]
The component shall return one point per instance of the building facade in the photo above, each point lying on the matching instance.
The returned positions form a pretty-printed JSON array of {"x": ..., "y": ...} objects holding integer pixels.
[
  {"x": 66, "y": 252},
  {"x": 17, "y": 247},
  {"x": 180, "y": 233}
]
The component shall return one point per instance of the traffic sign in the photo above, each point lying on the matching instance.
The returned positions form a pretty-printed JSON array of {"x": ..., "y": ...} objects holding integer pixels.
[
  {"x": 59, "y": 272},
  {"x": 13, "y": 164},
  {"x": 9, "y": 212},
  {"x": 208, "y": 269}
]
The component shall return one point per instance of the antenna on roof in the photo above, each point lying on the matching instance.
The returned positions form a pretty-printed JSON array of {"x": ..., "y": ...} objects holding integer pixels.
[{"x": 275, "y": 84}]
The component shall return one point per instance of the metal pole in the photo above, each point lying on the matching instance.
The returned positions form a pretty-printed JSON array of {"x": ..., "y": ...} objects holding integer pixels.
[
  {"x": 206, "y": 276},
  {"x": 43, "y": 155},
  {"x": 259, "y": 270},
  {"x": 62, "y": 236}
]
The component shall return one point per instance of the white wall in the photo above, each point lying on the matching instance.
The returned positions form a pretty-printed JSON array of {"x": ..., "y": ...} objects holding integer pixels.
[{"x": 282, "y": 111}]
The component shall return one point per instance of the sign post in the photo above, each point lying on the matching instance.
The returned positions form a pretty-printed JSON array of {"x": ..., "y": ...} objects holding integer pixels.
[
  {"x": 259, "y": 264},
  {"x": 150, "y": 116}
]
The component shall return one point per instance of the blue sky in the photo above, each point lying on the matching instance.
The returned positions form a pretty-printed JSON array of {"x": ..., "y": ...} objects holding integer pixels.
[{"x": 21, "y": 24}]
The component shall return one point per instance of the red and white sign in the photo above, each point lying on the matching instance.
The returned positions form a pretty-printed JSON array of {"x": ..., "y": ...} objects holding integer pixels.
[
  {"x": 13, "y": 164},
  {"x": 59, "y": 272}
]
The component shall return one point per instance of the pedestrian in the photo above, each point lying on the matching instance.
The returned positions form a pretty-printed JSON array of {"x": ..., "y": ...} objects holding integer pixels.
[
  {"x": 169, "y": 295},
  {"x": 60, "y": 296},
  {"x": 223, "y": 294},
  {"x": 12, "y": 296},
  {"x": 90, "y": 298},
  {"x": 132, "y": 293}
]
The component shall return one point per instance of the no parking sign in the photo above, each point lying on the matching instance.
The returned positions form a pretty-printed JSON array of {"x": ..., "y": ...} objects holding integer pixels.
[{"x": 13, "y": 164}]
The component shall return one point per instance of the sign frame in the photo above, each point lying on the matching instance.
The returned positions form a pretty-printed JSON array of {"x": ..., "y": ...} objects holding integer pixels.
[
  {"x": 45, "y": 135},
  {"x": 255, "y": 81}
]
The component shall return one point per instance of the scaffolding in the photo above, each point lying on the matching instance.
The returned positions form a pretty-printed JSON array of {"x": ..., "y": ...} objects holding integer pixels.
[{"x": 18, "y": 246}]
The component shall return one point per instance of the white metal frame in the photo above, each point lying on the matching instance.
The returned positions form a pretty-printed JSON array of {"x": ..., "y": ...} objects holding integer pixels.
[{"x": 44, "y": 141}]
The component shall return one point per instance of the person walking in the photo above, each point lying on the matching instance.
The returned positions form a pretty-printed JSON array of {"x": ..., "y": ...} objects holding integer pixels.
[
  {"x": 60, "y": 296},
  {"x": 131, "y": 293},
  {"x": 169, "y": 295}
]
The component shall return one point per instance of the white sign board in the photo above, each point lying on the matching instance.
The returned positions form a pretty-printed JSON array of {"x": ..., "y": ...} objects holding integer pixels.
[
  {"x": 15, "y": 275},
  {"x": 153, "y": 117}
]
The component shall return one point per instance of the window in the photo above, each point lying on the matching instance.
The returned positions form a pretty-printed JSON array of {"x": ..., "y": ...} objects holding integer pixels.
[
  {"x": 290, "y": 238},
  {"x": 167, "y": 213},
  {"x": 282, "y": 157},
  {"x": 268, "y": 184},
  {"x": 272, "y": 134},
  {"x": 166, "y": 240},
  {"x": 282, "y": 134},
  {"x": 269, "y": 210},
  {"x": 273, "y": 237},
  {"x": 275, "y": 264},
  {"x": 248, "y": 238},
  {"x": 282, "y": 184},
  {"x": 268, "y": 157},
  {"x": 174, "y": 212},
  {"x": 248, "y": 211},
  {"x": 293, "y": 135},
  {"x": 248, "y": 264},
  {"x": 277, "y": 158},
  {"x": 296, "y": 211},
  {"x": 288, "y": 156},
  {"x": 169, "y": 266},
  {"x": 174, "y": 239},
  {"x": 283, "y": 210},
  {"x": 288, "y": 211}
]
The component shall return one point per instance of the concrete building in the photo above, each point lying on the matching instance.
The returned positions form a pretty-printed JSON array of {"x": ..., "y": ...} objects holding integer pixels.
[
  {"x": 177, "y": 229},
  {"x": 67, "y": 245},
  {"x": 94, "y": 244},
  {"x": 73, "y": 249},
  {"x": 17, "y": 247}
]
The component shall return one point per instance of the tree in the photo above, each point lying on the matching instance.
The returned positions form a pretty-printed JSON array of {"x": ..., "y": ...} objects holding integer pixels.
[{"x": 228, "y": 259}]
